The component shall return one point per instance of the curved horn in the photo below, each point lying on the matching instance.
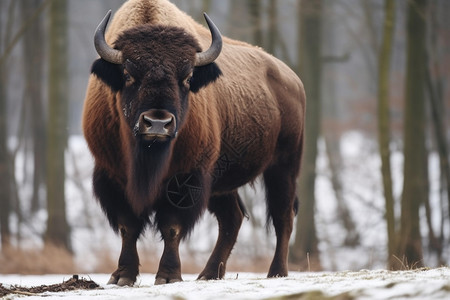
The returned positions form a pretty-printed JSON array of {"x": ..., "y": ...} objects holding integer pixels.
[
  {"x": 103, "y": 49},
  {"x": 208, "y": 56}
]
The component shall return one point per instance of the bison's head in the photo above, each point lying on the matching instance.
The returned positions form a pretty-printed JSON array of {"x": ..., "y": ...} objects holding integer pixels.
[{"x": 153, "y": 69}]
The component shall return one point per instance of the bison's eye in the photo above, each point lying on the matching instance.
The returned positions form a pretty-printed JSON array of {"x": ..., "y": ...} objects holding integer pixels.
[
  {"x": 187, "y": 81},
  {"x": 129, "y": 80}
]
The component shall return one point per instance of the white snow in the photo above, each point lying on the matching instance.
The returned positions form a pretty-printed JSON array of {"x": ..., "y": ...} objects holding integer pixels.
[{"x": 364, "y": 284}]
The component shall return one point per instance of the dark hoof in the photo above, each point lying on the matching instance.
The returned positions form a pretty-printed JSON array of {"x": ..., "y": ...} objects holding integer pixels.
[
  {"x": 208, "y": 276},
  {"x": 122, "y": 281},
  {"x": 212, "y": 273},
  {"x": 277, "y": 275},
  {"x": 161, "y": 280}
]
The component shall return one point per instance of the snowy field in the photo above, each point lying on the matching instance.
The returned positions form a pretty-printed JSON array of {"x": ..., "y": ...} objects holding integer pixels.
[{"x": 365, "y": 284}]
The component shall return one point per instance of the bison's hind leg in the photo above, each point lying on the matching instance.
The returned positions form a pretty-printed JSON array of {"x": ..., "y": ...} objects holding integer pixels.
[
  {"x": 280, "y": 192},
  {"x": 122, "y": 219},
  {"x": 229, "y": 211}
]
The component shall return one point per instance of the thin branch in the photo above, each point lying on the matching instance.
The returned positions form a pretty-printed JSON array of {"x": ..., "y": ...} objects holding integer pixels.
[{"x": 22, "y": 30}]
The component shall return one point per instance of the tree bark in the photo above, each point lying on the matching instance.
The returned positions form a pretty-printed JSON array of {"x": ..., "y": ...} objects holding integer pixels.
[
  {"x": 409, "y": 250},
  {"x": 434, "y": 87},
  {"x": 5, "y": 173},
  {"x": 33, "y": 70},
  {"x": 344, "y": 215},
  {"x": 304, "y": 252},
  {"x": 58, "y": 231},
  {"x": 437, "y": 112},
  {"x": 5, "y": 185},
  {"x": 384, "y": 63}
]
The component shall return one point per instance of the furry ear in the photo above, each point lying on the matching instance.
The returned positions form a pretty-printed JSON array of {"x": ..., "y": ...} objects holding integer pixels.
[
  {"x": 109, "y": 73},
  {"x": 204, "y": 75}
]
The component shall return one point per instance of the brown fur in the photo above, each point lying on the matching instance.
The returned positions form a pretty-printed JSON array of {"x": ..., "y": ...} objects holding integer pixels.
[{"x": 248, "y": 122}]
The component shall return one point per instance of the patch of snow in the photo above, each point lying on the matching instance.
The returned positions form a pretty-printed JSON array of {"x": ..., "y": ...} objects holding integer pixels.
[{"x": 364, "y": 284}]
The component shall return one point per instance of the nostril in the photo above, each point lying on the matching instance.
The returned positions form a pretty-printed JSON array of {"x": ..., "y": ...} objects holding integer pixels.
[
  {"x": 148, "y": 122},
  {"x": 169, "y": 123}
]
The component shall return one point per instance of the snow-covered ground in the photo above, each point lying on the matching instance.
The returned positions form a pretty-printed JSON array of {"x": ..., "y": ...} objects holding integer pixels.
[{"x": 365, "y": 284}]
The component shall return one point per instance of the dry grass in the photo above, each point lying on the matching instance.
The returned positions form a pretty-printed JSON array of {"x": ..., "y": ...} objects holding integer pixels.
[
  {"x": 249, "y": 264},
  {"x": 49, "y": 260},
  {"x": 55, "y": 260}
]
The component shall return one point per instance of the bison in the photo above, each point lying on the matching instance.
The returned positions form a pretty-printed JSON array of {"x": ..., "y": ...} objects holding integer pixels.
[{"x": 175, "y": 129}]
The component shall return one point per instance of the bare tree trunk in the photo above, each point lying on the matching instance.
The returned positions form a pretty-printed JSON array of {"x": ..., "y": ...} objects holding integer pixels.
[
  {"x": 304, "y": 252},
  {"x": 409, "y": 250},
  {"x": 437, "y": 113},
  {"x": 33, "y": 70},
  {"x": 384, "y": 63},
  {"x": 344, "y": 215},
  {"x": 58, "y": 231},
  {"x": 5, "y": 185},
  {"x": 5, "y": 172},
  {"x": 434, "y": 88}
]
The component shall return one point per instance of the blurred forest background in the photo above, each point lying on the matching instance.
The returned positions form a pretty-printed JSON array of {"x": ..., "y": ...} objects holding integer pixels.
[{"x": 375, "y": 185}]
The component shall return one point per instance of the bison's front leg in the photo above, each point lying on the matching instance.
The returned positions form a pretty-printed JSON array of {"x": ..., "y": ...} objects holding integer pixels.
[
  {"x": 169, "y": 270},
  {"x": 121, "y": 217},
  {"x": 128, "y": 268},
  {"x": 176, "y": 215}
]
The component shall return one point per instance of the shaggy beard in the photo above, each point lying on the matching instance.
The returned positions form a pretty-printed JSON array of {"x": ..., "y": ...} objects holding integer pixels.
[{"x": 148, "y": 168}]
